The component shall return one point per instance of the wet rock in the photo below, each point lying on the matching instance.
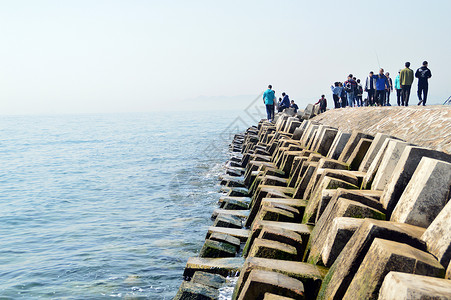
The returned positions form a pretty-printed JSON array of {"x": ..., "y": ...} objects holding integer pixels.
[
  {"x": 226, "y": 238},
  {"x": 208, "y": 279},
  {"x": 213, "y": 249},
  {"x": 195, "y": 291},
  {"x": 227, "y": 221}
]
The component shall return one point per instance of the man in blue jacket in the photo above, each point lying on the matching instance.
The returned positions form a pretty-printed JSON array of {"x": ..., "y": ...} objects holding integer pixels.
[
  {"x": 382, "y": 85},
  {"x": 268, "y": 99},
  {"x": 285, "y": 102}
]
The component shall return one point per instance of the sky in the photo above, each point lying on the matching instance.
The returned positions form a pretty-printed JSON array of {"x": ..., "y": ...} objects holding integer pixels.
[{"x": 136, "y": 56}]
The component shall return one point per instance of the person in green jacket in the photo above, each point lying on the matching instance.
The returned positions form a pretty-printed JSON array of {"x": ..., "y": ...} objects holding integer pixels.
[{"x": 406, "y": 80}]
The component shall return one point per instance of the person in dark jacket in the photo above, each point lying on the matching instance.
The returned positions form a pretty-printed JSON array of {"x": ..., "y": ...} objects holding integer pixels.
[
  {"x": 423, "y": 74},
  {"x": 343, "y": 97},
  {"x": 322, "y": 104},
  {"x": 294, "y": 105},
  {"x": 389, "y": 90},
  {"x": 285, "y": 102},
  {"x": 370, "y": 88}
]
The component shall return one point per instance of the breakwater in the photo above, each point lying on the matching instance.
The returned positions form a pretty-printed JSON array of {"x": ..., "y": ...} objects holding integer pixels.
[{"x": 315, "y": 210}]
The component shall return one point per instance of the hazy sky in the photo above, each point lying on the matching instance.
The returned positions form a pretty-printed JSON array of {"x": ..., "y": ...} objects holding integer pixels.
[{"x": 135, "y": 55}]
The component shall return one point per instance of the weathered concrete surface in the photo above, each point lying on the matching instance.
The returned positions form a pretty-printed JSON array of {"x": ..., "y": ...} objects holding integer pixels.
[
  {"x": 426, "y": 194},
  {"x": 208, "y": 279},
  {"x": 338, "y": 144},
  {"x": 403, "y": 286},
  {"x": 345, "y": 267},
  {"x": 438, "y": 236},
  {"x": 425, "y": 126},
  {"x": 372, "y": 152},
  {"x": 241, "y": 234},
  {"x": 192, "y": 290},
  {"x": 310, "y": 275},
  {"x": 341, "y": 231},
  {"x": 272, "y": 249},
  {"x": 385, "y": 256},
  {"x": 221, "y": 266},
  {"x": 217, "y": 249},
  {"x": 406, "y": 166},
  {"x": 260, "y": 282}
]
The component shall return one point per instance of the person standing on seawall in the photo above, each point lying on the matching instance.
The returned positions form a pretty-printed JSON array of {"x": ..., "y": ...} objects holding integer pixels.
[
  {"x": 389, "y": 90},
  {"x": 423, "y": 74},
  {"x": 350, "y": 86},
  {"x": 370, "y": 87},
  {"x": 358, "y": 98},
  {"x": 406, "y": 80},
  {"x": 344, "y": 99},
  {"x": 336, "y": 91},
  {"x": 381, "y": 87},
  {"x": 268, "y": 100},
  {"x": 398, "y": 90},
  {"x": 322, "y": 104}
]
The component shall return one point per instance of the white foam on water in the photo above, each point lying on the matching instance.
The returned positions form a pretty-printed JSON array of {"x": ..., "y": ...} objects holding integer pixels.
[{"x": 226, "y": 291}]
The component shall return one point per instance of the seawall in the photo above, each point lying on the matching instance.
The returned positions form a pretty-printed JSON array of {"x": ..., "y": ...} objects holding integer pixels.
[{"x": 349, "y": 204}]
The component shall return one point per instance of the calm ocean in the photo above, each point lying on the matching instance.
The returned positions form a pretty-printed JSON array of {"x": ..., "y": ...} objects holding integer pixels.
[{"x": 101, "y": 206}]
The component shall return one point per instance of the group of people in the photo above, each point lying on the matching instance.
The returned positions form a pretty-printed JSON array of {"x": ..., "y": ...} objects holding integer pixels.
[
  {"x": 378, "y": 88},
  {"x": 269, "y": 99}
]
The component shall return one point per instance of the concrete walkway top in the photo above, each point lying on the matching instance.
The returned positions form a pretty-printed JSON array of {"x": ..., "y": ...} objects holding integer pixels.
[{"x": 428, "y": 126}]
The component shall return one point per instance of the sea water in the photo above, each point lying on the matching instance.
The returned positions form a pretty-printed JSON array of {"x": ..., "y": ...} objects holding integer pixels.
[{"x": 106, "y": 205}]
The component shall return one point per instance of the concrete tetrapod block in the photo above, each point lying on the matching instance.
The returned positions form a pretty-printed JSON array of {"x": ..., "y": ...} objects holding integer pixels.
[
  {"x": 404, "y": 286},
  {"x": 438, "y": 236},
  {"x": 325, "y": 141},
  {"x": 387, "y": 165},
  {"x": 352, "y": 143},
  {"x": 285, "y": 236},
  {"x": 346, "y": 265},
  {"x": 359, "y": 153},
  {"x": 241, "y": 234},
  {"x": 235, "y": 204},
  {"x": 299, "y": 229},
  {"x": 226, "y": 238},
  {"x": 214, "y": 249},
  {"x": 260, "y": 282},
  {"x": 304, "y": 180},
  {"x": 347, "y": 176},
  {"x": 313, "y": 203},
  {"x": 310, "y": 275},
  {"x": 426, "y": 194},
  {"x": 228, "y": 221},
  {"x": 267, "y": 213},
  {"x": 403, "y": 172},
  {"x": 342, "y": 229},
  {"x": 240, "y": 213},
  {"x": 372, "y": 152},
  {"x": 385, "y": 256},
  {"x": 272, "y": 249},
  {"x": 344, "y": 208},
  {"x": 298, "y": 204},
  {"x": 208, "y": 279},
  {"x": 191, "y": 290},
  {"x": 269, "y": 296},
  {"x": 338, "y": 144},
  {"x": 374, "y": 164},
  {"x": 372, "y": 198},
  {"x": 279, "y": 205},
  {"x": 222, "y": 266}
]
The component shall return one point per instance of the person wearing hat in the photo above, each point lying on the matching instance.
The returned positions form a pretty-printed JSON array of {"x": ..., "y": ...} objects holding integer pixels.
[
  {"x": 423, "y": 74},
  {"x": 398, "y": 90}
]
